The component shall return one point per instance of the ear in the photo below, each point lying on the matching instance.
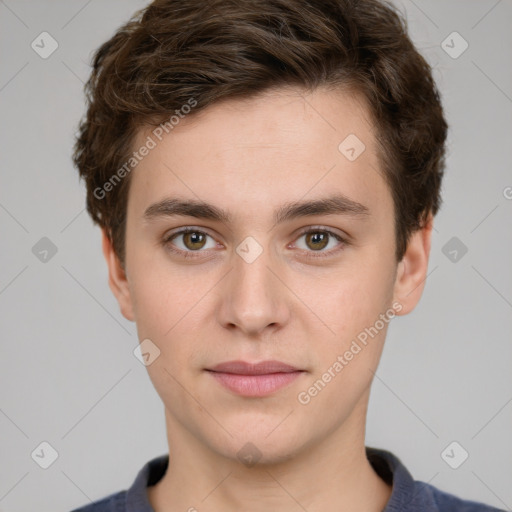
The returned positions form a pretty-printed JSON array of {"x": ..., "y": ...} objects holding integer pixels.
[
  {"x": 117, "y": 278},
  {"x": 412, "y": 269}
]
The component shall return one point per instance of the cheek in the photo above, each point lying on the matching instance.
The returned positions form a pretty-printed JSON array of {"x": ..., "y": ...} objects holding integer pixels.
[
  {"x": 166, "y": 314},
  {"x": 347, "y": 360},
  {"x": 155, "y": 307},
  {"x": 161, "y": 296},
  {"x": 348, "y": 300},
  {"x": 351, "y": 304},
  {"x": 169, "y": 306}
]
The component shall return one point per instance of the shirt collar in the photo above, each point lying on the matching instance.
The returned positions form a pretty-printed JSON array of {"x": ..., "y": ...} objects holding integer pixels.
[{"x": 387, "y": 465}]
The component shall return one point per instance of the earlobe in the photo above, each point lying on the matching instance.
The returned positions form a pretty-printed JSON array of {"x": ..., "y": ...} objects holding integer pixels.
[
  {"x": 412, "y": 269},
  {"x": 117, "y": 280}
]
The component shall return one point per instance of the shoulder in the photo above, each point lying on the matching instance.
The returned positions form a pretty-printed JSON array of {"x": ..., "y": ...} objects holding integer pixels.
[
  {"x": 135, "y": 497},
  {"x": 409, "y": 495},
  {"x": 112, "y": 503},
  {"x": 442, "y": 501}
]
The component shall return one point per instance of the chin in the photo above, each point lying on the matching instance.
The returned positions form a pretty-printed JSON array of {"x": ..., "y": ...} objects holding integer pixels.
[{"x": 252, "y": 445}]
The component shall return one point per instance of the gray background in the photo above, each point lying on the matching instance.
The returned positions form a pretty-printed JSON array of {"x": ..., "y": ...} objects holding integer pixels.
[{"x": 68, "y": 374}]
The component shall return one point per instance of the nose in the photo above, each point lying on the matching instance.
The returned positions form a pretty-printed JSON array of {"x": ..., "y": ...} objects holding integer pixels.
[{"x": 254, "y": 296}]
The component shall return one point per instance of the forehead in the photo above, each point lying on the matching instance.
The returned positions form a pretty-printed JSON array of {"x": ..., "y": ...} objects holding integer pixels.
[{"x": 276, "y": 147}]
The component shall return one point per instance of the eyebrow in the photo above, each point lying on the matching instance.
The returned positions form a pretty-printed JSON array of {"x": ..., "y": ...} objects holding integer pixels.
[{"x": 333, "y": 205}]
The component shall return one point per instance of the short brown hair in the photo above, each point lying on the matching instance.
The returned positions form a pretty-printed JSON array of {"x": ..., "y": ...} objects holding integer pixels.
[{"x": 175, "y": 50}]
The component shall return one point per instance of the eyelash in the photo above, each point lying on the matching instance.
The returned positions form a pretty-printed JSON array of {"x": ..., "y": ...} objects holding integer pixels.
[{"x": 196, "y": 254}]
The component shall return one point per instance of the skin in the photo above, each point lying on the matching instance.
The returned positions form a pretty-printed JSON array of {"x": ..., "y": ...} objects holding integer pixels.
[{"x": 250, "y": 157}]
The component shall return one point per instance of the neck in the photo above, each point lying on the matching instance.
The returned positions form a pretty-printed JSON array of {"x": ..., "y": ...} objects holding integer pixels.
[{"x": 331, "y": 476}]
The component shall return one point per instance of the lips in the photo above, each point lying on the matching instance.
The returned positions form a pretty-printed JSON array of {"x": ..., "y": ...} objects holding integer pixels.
[
  {"x": 254, "y": 379},
  {"x": 262, "y": 368}
]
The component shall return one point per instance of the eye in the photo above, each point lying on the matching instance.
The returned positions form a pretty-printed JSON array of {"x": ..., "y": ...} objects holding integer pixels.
[
  {"x": 317, "y": 239},
  {"x": 188, "y": 241}
]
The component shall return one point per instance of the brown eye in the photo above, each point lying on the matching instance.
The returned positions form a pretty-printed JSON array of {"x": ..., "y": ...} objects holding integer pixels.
[
  {"x": 316, "y": 243},
  {"x": 317, "y": 240},
  {"x": 194, "y": 240},
  {"x": 189, "y": 242}
]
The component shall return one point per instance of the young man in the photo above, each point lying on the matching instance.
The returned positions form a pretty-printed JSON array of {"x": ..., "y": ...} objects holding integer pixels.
[{"x": 265, "y": 174}]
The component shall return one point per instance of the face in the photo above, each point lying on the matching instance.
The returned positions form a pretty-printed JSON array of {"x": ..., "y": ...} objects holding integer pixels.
[{"x": 292, "y": 261}]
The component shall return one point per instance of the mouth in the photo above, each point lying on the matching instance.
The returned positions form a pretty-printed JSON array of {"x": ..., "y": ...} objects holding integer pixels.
[
  {"x": 262, "y": 368},
  {"x": 254, "y": 379}
]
